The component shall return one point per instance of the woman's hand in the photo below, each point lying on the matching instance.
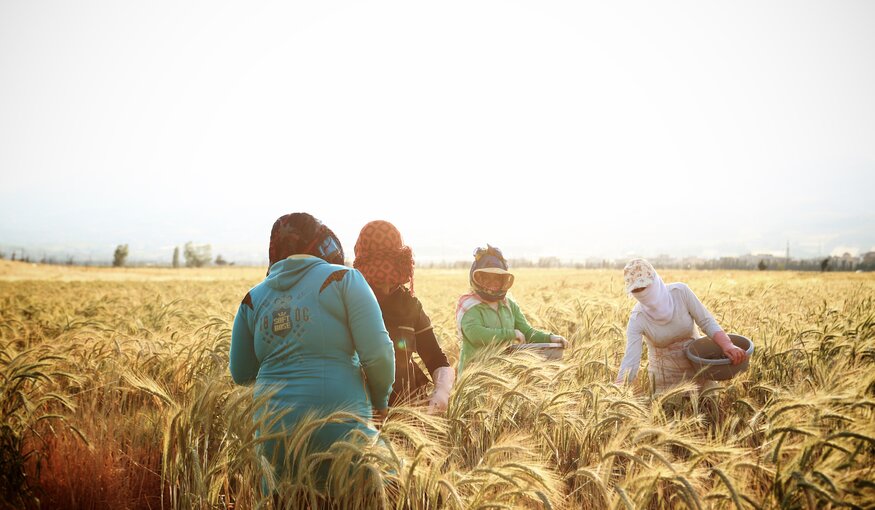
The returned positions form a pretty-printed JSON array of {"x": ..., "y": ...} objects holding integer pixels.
[
  {"x": 560, "y": 339},
  {"x": 443, "y": 378},
  {"x": 379, "y": 416},
  {"x": 520, "y": 337},
  {"x": 730, "y": 350},
  {"x": 735, "y": 354}
]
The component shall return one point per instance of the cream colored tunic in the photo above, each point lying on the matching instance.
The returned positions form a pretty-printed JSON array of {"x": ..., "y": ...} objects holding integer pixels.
[{"x": 666, "y": 343}]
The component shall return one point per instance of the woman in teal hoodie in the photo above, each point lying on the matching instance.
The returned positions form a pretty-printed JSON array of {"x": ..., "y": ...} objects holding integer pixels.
[{"x": 306, "y": 334}]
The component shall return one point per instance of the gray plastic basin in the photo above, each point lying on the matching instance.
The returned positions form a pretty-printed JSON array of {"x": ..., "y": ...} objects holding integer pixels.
[
  {"x": 707, "y": 357},
  {"x": 548, "y": 351}
]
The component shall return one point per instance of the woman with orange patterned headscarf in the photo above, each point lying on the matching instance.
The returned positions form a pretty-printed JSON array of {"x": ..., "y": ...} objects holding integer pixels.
[{"x": 387, "y": 265}]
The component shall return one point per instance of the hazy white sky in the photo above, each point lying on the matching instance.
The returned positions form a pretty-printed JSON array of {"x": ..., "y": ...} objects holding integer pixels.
[{"x": 547, "y": 128}]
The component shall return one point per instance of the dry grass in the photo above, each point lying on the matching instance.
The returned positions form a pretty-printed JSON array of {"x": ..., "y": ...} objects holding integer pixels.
[{"x": 116, "y": 395}]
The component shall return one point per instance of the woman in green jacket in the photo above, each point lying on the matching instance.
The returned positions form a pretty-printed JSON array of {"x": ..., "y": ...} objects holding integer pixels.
[{"x": 488, "y": 316}]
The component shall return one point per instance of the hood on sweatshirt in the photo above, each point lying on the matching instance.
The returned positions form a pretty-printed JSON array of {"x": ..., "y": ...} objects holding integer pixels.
[{"x": 288, "y": 272}]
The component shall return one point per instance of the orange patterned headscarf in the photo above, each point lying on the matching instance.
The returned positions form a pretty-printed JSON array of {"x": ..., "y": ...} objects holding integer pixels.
[{"x": 381, "y": 255}]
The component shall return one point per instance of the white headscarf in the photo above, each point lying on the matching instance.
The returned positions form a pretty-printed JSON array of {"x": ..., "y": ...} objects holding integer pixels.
[{"x": 655, "y": 300}]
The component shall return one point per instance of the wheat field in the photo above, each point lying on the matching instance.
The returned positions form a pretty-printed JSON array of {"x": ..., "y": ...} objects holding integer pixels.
[{"x": 116, "y": 394}]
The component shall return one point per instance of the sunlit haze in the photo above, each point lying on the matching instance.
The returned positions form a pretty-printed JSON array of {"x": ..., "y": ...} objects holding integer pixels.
[{"x": 569, "y": 129}]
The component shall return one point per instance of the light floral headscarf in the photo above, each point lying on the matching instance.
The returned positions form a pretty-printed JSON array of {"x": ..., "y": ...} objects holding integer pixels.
[{"x": 655, "y": 300}]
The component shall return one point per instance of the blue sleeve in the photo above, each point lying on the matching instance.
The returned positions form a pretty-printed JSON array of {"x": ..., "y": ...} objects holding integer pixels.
[
  {"x": 244, "y": 363},
  {"x": 371, "y": 339}
]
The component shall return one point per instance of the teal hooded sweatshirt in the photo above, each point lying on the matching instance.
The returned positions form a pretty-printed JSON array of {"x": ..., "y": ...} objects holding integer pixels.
[{"x": 307, "y": 334}]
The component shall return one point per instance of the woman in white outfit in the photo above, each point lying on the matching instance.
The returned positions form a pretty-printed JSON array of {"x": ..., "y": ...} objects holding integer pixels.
[{"x": 666, "y": 317}]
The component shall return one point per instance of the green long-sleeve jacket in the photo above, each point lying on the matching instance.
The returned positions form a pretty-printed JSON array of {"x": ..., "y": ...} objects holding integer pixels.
[{"x": 483, "y": 326}]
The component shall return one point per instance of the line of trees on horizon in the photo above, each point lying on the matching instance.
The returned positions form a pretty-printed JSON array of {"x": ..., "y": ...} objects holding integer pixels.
[
  {"x": 200, "y": 255},
  {"x": 195, "y": 255},
  {"x": 823, "y": 264}
]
